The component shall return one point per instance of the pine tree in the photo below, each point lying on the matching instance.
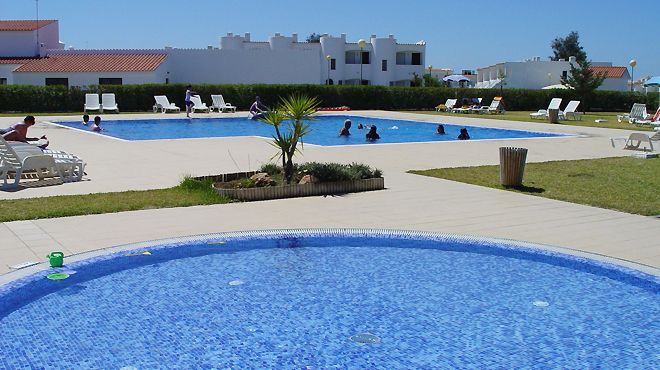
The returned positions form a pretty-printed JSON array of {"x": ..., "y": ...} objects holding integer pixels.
[
  {"x": 566, "y": 47},
  {"x": 583, "y": 80}
]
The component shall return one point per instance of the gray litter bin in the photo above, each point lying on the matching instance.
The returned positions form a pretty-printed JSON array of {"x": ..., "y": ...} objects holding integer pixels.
[
  {"x": 553, "y": 115},
  {"x": 512, "y": 165}
]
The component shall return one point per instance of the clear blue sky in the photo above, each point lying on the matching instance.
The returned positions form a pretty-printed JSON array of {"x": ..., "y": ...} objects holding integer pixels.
[{"x": 476, "y": 34}]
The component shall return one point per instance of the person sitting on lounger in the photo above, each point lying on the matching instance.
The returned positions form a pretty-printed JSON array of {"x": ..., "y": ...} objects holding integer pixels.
[
  {"x": 257, "y": 109},
  {"x": 372, "y": 134},
  {"x": 96, "y": 126},
  {"x": 344, "y": 131},
  {"x": 464, "y": 134},
  {"x": 440, "y": 130},
  {"x": 18, "y": 132},
  {"x": 85, "y": 119}
]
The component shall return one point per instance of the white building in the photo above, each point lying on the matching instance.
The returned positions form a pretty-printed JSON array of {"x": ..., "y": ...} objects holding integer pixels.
[
  {"x": 535, "y": 73},
  {"x": 236, "y": 60}
]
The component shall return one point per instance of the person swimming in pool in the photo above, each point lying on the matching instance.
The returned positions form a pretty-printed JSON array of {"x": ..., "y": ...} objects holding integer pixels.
[
  {"x": 440, "y": 130},
  {"x": 372, "y": 134},
  {"x": 85, "y": 119},
  {"x": 464, "y": 134},
  {"x": 96, "y": 126},
  {"x": 344, "y": 131}
]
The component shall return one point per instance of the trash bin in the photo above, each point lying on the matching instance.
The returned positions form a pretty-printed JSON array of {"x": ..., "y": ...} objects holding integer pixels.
[
  {"x": 553, "y": 115},
  {"x": 512, "y": 165}
]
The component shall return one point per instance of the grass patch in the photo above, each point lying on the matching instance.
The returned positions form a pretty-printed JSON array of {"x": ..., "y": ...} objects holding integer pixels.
[
  {"x": 624, "y": 184},
  {"x": 189, "y": 193},
  {"x": 523, "y": 116}
]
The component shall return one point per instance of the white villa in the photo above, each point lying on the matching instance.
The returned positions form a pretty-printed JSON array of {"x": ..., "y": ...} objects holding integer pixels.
[
  {"x": 535, "y": 73},
  {"x": 31, "y": 54}
]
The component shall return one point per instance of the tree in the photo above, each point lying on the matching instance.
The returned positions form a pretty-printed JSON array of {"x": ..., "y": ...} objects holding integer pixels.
[
  {"x": 416, "y": 80},
  {"x": 314, "y": 38},
  {"x": 297, "y": 110},
  {"x": 566, "y": 47},
  {"x": 431, "y": 81},
  {"x": 583, "y": 80}
]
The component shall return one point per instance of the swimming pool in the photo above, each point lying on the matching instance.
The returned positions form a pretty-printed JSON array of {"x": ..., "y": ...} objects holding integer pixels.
[
  {"x": 332, "y": 299},
  {"x": 325, "y": 130}
]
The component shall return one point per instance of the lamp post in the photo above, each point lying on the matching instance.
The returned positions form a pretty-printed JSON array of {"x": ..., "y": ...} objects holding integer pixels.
[
  {"x": 632, "y": 65},
  {"x": 361, "y": 44},
  {"x": 328, "y": 58}
]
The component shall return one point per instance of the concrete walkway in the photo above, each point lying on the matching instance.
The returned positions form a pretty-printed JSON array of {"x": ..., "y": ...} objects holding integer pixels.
[{"x": 409, "y": 202}]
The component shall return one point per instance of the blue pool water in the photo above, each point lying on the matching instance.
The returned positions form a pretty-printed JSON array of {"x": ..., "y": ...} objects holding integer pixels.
[
  {"x": 325, "y": 130},
  {"x": 333, "y": 300}
]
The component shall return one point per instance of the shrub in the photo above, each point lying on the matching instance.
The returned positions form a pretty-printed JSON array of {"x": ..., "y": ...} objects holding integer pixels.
[
  {"x": 332, "y": 172},
  {"x": 271, "y": 169},
  {"x": 132, "y": 98}
]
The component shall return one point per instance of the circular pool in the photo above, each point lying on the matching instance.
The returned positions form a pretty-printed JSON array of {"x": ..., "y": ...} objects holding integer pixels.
[{"x": 332, "y": 299}]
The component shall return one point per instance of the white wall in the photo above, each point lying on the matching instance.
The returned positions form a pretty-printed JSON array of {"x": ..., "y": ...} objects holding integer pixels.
[
  {"x": 89, "y": 78},
  {"x": 6, "y": 71},
  {"x": 616, "y": 84},
  {"x": 24, "y": 43}
]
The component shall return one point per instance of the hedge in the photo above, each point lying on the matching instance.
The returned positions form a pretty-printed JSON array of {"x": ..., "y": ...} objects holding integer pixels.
[{"x": 131, "y": 98}]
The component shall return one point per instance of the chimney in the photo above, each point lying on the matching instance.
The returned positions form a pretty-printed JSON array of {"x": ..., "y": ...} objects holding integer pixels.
[
  {"x": 277, "y": 34},
  {"x": 247, "y": 37},
  {"x": 209, "y": 47},
  {"x": 294, "y": 36},
  {"x": 230, "y": 34},
  {"x": 572, "y": 59}
]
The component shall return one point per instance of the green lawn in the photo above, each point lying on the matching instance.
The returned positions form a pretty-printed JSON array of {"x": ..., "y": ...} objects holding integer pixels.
[
  {"x": 523, "y": 116},
  {"x": 188, "y": 193},
  {"x": 626, "y": 184}
]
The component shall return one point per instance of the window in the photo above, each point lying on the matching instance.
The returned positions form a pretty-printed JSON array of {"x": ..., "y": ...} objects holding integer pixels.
[
  {"x": 340, "y": 82},
  {"x": 383, "y": 65},
  {"x": 333, "y": 64},
  {"x": 109, "y": 81},
  {"x": 400, "y": 58},
  {"x": 3, "y": 81},
  {"x": 57, "y": 82},
  {"x": 353, "y": 57},
  {"x": 416, "y": 59},
  {"x": 564, "y": 74}
]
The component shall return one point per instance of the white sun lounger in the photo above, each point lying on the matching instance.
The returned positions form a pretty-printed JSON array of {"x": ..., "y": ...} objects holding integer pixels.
[
  {"x": 637, "y": 112},
  {"x": 494, "y": 107},
  {"x": 636, "y": 141},
  {"x": 555, "y": 103},
  {"x": 25, "y": 165},
  {"x": 448, "y": 106},
  {"x": 198, "y": 104},
  {"x": 108, "y": 103},
  {"x": 571, "y": 110},
  {"x": 220, "y": 104},
  {"x": 164, "y": 104},
  {"x": 69, "y": 167},
  {"x": 92, "y": 103}
]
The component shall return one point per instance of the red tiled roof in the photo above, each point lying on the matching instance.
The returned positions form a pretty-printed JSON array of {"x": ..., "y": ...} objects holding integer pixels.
[
  {"x": 23, "y": 25},
  {"x": 15, "y": 60},
  {"x": 610, "y": 72},
  {"x": 95, "y": 63}
]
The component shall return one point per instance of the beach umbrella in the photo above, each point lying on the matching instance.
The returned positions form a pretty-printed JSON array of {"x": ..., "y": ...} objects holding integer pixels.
[
  {"x": 455, "y": 78},
  {"x": 654, "y": 81},
  {"x": 558, "y": 86}
]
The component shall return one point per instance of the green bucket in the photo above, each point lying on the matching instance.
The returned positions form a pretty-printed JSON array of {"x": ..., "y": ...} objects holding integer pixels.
[{"x": 56, "y": 259}]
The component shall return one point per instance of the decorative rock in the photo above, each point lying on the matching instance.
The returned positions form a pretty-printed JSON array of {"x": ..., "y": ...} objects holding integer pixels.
[
  {"x": 308, "y": 179},
  {"x": 262, "y": 179}
]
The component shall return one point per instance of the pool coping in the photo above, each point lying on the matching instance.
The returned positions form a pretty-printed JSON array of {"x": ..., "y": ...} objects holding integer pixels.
[
  {"x": 556, "y": 135},
  {"x": 19, "y": 277}
]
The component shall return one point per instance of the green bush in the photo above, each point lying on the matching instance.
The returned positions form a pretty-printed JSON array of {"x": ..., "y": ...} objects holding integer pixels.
[
  {"x": 271, "y": 169},
  {"x": 132, "y": 98},
  {"x": 332, "y": 172}
]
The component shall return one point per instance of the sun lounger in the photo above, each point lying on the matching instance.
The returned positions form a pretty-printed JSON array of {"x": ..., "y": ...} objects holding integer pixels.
[
  {"x": 447, "y": 107},
  {"x": 636, "y": 141},
  {"x": 637, "y": 112},
  {"x": 220, "y": 104},
  {"x": 108, "y": 103},
  {"x": 649, "y": 120},
  {"x": 24, "y": 165},
  {"x": 495, "y": 106},
  {"x": 555, "y": 103},
  {"x": 198, "y": 104},
  {"x": 164, "y": 104},
  {"x": 69, "y": 167},
  {"x": 571, "y": 110},
  {"x": 92, "y": 103}
]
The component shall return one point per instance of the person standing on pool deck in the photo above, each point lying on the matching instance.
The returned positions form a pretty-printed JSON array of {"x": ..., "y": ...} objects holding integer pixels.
[
  {"x": 18, "y": 132},
  {"x": 189, "y": 103}
]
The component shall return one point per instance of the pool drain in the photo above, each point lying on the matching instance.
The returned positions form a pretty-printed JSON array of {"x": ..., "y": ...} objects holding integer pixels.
[
  {"x": 365, "y": 338},
  {"x": 539, "y": 303}
]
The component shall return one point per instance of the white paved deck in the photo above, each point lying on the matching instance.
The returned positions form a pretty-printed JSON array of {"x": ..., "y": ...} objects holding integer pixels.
[{"x": 409, "y": 202}]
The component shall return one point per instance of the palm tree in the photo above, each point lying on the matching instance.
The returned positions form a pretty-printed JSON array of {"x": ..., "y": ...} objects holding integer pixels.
[{"x": 297, "y": 110}]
